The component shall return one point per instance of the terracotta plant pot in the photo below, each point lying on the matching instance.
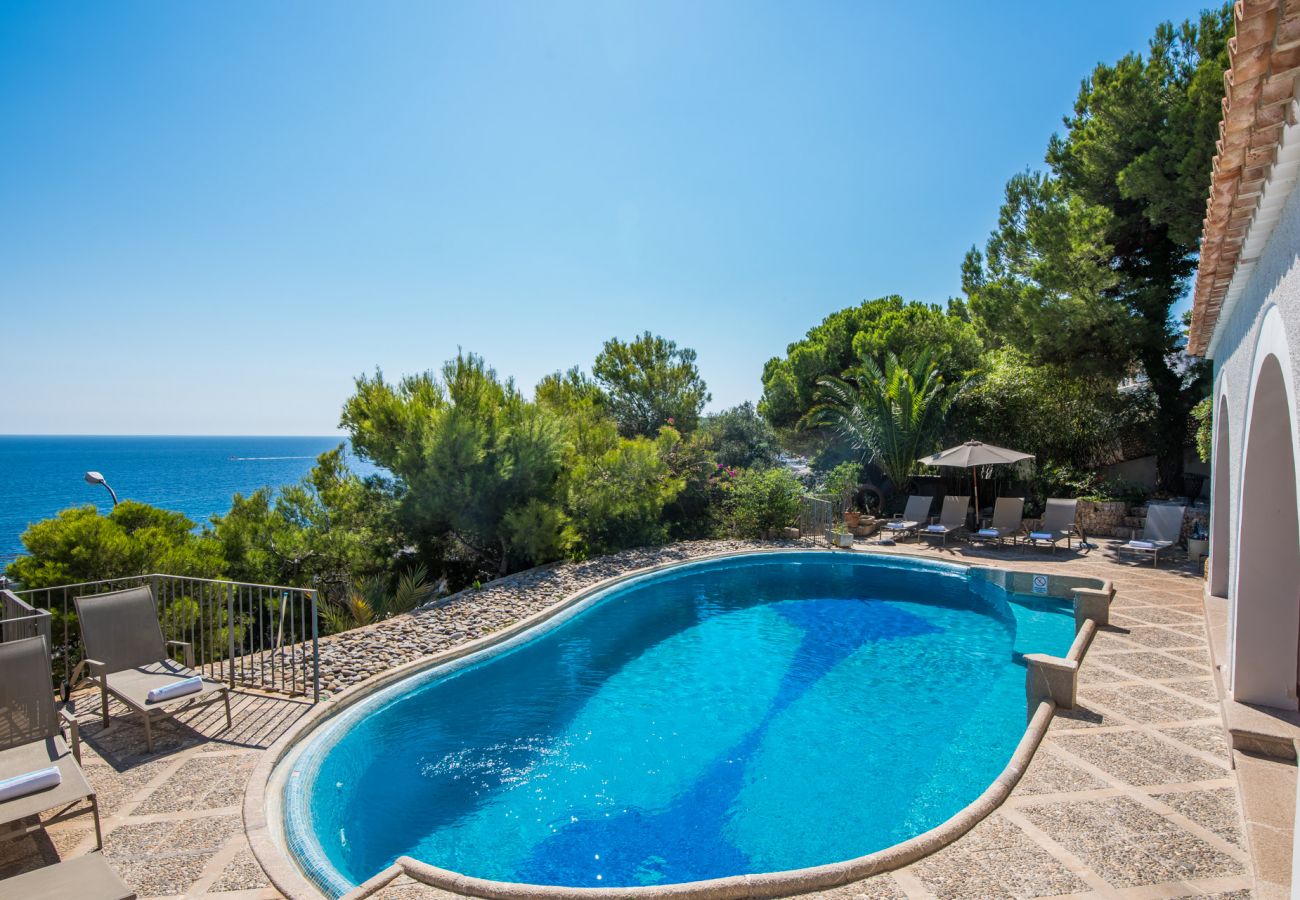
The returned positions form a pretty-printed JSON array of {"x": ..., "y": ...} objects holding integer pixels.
[{"x": 851, "y": 519}]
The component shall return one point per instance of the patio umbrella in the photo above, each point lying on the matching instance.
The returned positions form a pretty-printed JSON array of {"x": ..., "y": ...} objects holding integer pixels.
[{"x": 972, "y": 454}]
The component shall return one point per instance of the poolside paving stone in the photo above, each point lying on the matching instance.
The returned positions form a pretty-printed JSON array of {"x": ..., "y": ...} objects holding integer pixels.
[
  {"x": 1130, "y": 795},
  {"x": 1145, "y": 664},
  {"x": 1137, "y": 758}
]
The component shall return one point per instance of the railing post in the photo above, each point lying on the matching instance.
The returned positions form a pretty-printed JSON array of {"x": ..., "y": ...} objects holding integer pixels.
[
  {"x": 65, "y": 686},
  {"x": 315, "y": 652},
  {"x": 230, "y": 633}
]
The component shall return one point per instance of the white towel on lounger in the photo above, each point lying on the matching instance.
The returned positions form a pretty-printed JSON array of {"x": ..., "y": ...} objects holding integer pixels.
[
  {"x": 176, "y": 689},
  {"x": 936, "y": 528},
  {"x": 1142, "y": 545},
  {"x": 988, "y": 532},
  {"x": 29, "y": 783}
]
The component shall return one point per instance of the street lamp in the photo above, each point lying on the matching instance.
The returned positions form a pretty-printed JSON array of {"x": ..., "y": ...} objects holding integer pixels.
[{"x": 96, "y": 478}]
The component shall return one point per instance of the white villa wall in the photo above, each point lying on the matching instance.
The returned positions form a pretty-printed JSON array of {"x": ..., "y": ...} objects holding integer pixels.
[{"x": 1265, "y": 318}]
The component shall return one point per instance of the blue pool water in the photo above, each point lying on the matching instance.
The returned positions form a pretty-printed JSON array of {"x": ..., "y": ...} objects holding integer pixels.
[{"x": 746, "y": 715}]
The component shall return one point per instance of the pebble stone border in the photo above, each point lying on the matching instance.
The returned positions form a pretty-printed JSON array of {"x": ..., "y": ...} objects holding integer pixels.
[{"x": 350, "y": 658}]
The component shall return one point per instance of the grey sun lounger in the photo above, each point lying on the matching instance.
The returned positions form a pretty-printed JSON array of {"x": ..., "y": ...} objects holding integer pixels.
[
  {"x": 1058, "y": 525},
  {"x": 86, "y": 877},
  {"x": 127, "y": 657},
  {"x": 916, "y": 512},
  {"x": 31, "y": 739},
  {"x": 952, "y": 519},
  {"x": 1008, "y": 522},
  {"x": 1161, "y": 531}
]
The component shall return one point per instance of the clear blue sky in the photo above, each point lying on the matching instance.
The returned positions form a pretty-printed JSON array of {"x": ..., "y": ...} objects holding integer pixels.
[{"x": 214, "y": 215}]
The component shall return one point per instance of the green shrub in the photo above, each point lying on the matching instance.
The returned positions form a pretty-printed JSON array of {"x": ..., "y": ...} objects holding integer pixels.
[
  {"x": 617, "y": 500},
  {"x": 1068, "y": 482},
  {"x": 1203, "y": 412},
  {"x": 79, "y": 545},
  {"x": 370, "y": 600},
  {"x": 840, "y": 483},
  {"x": 741, "y": 438},
  {"x": 762, "y": 502}
]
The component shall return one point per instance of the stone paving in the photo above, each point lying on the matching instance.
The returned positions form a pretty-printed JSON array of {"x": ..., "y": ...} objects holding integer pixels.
[{"x": 1131, "y": 795}]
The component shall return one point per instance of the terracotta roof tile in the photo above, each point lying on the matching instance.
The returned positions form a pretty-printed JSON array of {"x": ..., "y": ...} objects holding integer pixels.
[{"x": 1259, "y": 86}]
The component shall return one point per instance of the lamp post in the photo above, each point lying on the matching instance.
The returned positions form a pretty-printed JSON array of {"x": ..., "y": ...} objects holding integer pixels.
[{"x": 96, "y": 478}]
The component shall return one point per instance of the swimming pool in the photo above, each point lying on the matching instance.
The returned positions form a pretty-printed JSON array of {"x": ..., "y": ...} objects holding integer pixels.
[{"x": 749, "y": 714}]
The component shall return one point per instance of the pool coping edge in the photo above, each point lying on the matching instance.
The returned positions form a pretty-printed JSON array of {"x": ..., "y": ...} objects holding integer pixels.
[{"x": 286, "y": 876}]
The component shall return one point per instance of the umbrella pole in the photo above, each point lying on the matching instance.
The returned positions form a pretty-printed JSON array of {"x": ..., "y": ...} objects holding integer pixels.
[{"x": 975, "y": 487}]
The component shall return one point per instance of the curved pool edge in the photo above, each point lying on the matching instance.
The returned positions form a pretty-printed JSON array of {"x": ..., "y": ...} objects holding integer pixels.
[
  {"x": 263, "y": 824},
  {"x": 750, "y": 887}
]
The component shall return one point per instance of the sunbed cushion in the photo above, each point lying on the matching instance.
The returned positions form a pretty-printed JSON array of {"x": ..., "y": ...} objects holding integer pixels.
[
  {"x": 134, "y": 685},
  {"x": 39, "y": 755},
  {"x": 1042, "y": 536},
  {"x": 29, "y": 783},
  {"x": 1149, "y": 545},
  {"x": 86, "y": 877}
]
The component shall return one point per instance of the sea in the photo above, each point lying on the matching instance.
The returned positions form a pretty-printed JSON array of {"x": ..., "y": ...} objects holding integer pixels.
[{"x": 198, "y": 476}]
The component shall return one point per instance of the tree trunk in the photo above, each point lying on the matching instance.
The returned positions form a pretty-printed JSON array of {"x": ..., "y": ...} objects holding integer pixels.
[{"x": 1169, "y": 436}]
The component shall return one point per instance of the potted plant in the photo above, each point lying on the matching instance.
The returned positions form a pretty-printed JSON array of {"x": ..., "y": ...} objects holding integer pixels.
[
  {"x": 1198, "y": 542},
  {"x": 840, "y": 537}
]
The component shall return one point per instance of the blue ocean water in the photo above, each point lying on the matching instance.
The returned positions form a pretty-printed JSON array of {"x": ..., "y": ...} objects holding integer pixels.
[
  {"x": 40, "y": 475},
  {"x": 751, "y": 715}
]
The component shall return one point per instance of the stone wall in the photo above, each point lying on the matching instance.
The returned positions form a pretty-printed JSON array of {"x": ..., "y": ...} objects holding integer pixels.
[{"x": 1104, "y": 519}]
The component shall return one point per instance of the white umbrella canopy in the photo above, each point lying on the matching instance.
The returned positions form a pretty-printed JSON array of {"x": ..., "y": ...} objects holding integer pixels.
[{"x": 972, "y": 454}]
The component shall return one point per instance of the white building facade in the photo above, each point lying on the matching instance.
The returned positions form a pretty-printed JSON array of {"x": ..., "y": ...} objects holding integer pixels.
[{"x": 1246, "y": 320}]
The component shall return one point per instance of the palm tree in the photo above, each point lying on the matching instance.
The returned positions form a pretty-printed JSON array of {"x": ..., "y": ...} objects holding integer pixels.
[
  {"x": 369, "y": 599},
  {"x": 893, "y": 415}
]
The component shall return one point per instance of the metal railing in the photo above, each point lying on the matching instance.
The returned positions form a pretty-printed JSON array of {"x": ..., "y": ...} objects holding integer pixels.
[
  {"x": 249, "y": 635},
  {"x": 19, "y": 620},
  {"x": 816, "y": 516}
]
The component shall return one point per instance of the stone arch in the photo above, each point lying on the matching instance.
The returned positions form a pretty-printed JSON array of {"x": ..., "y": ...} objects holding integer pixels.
[
  {"x": 1266, "y": 596},
  {"x": 1221, "y": 503}
]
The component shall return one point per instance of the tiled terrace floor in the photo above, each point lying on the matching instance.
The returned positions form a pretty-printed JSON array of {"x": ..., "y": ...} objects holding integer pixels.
[{"x": 1131, "y": 795}]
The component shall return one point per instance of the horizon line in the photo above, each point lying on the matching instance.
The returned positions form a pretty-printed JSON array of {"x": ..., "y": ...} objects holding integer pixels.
[{"x": 52, "y": 434}]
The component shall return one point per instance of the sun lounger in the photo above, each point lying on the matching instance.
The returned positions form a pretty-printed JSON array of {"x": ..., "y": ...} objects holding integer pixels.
[
  {"x": 1057, "y": 525},
  {"x": 952, "y": 519},
  {"x": 86, "y": 877},
  {"x": 31, "y": 742},
  {"x": 1161, "y": 531},
  {"x": 1007, "y": 522},
  {"x": 127, "y": 658},
  {"x": 916, "y": 512}
]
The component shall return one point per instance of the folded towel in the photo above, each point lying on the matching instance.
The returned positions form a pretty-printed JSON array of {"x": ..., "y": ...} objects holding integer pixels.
[
  {"x": 29, "y": 783},
  {"x": 988, "y": 532},
  {"x": 900, "y": 525},
  {"x": 176, "y": 689},
  {"x": 936, "y": 528},
  {"x": 1040, "y": 535},
  {"x": 1142, "y": 545}
]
